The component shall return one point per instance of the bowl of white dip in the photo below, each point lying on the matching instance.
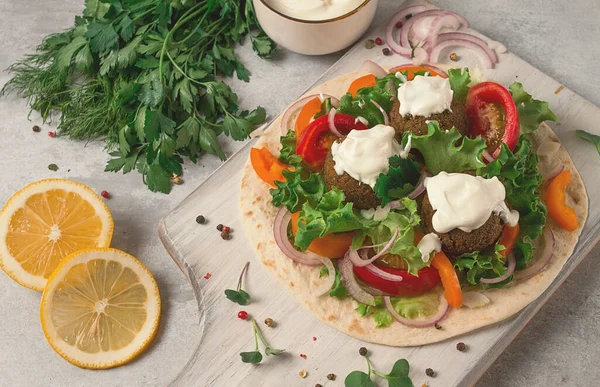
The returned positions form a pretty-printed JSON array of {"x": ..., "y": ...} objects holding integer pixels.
[{"x": 315, "y": 27}]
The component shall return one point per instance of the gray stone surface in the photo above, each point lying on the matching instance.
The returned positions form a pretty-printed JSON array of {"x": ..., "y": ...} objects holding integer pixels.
[{"x": 559, "y": 347}]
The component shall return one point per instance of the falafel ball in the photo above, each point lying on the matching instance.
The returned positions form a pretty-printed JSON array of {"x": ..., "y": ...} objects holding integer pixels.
[
  {"x": 446, "y": 119},
  {"x": 362, "y": 195},
  {"x": 457, "y": 242}
]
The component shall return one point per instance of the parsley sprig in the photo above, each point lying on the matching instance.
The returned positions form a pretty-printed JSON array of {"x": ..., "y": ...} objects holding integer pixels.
[
  {"x": 144, "y": 75},
  {"x": 397, "y": 377},
  {"x": 239, "y": 296},
  {"x": 255, "y": 356}
]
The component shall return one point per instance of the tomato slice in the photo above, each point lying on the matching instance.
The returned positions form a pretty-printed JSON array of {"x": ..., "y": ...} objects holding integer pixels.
[
  {"x": 266, "y": 166},
  {"x": 409, "y": 286},
  {"x": 331, "y": 245},
  {"x": 492, "y": 114},
  {"x": 315, "y": 141},
  {"x": 307, "y": 112},
  {"x": 362, "y": 82},
  {"x": 413, "y": 69}
]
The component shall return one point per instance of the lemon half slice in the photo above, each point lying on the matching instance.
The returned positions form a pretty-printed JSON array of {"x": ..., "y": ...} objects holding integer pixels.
[
  {"x": 46, "y": 221},
  {"x": 100, "y": 308}
]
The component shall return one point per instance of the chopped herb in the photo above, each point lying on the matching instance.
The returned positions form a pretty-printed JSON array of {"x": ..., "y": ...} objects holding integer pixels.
[
  {"x": 255, "y": 356},
  {"x": 593, "y": 138},
  {"x": 53, "y": 167},
  {"x": 239, "y": 296}
]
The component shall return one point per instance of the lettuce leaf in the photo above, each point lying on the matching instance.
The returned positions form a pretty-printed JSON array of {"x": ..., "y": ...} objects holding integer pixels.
[
  {"x": 422, "y": 306},
  {"x": 443, "y": 152},
  {"x": 518, "y": 172},
  {"x": 477, "y": 265},
  {"x": 532, "y": 112},
  {"x": 399, "y": 181},
  {"x": 459, "y": 83},
  {"x": 287, "y": 154}
]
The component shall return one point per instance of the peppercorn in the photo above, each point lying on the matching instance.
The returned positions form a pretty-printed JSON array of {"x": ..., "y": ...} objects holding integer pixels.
[
  {"x": 269, "y": 322},
  {"x": 318, "y": 385},
  {"x": 399, "y": 24},
  {"x": 177, "y": 180},
  {"x": 461, "y": 346},
  {"x": 362, "y": 351},
  {"x": 438, "y": 326},
  {"x": 302, "y": 373},
  {"x": 386, "y": 51},
  {"x": 378, "y": 41},
  {"x": 225, "y": 235},
  {"x": 369, "y": 43},
  {"x": 200, "y": 219},
  {"x": 226, "y": 229},
  {"x": 105, "y": 194},
  {"x": 314, "y": 338},
  {"x": 453, "y": 57},
  {"x": 331, "y": 377},
  {"x": 220, "y": 227},
  {"x": 408, "y": 16},
  {"x": 243, "y": 315},
  {"x": 36, "y": 128},
  {"x": 429, "y": 372}
]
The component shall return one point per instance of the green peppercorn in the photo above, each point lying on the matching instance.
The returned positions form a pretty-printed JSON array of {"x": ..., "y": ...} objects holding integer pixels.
[{"x": 369, "y": 43}]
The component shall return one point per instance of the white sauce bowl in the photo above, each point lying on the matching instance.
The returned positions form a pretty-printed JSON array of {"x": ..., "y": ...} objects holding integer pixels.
[{"x": 315, "y": 37}]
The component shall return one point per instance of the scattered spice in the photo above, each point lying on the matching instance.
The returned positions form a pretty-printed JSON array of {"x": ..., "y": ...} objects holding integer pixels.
[
  {"x": 362, "y": 351},
  {"x": 200, "y": 219},
  {"x": 331, "y": 377},
  {"x": 51, "y": 134},
  {"x": 318, "y": 385},
  {"x": 438, "y": 326},
  {"x": 399, "y": 24},
  {"x": 559, "y": 90},
  {"x": 378, "y": 41},
  {"x": 453, "y": 57},
  {"x": 302, "y": 373},
  {"x": 269, "y": 322},
  {"x": 303, "y": 356},
  {"x": 461, "y": 346},
  {"x": 176, "y": 179},
  {"x": 429, "y": 372},
  {"x": 255, "y": 356},
  {"x": 36, "y": 128},
  {"x": 386, "y": 51},
  {"x": 314, "y": 338},
  {"x": 425, "y": 384},
  {"x": 408, "y": 16},
  {"x": 207, "y": 275},
  {"x": 226, "y": 229},
  {"x": 369, "y": 44},
  {"x": 105, "y": 194},
  {"x": 225, "y": 235},
  {"x": 242, "y": 315},
  {"x": 53, "y": 167},
  {"x": 220, "y": 227}
]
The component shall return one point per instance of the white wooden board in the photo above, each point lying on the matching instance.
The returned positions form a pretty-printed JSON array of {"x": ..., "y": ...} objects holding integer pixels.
[{"x": 199, "y": 249}]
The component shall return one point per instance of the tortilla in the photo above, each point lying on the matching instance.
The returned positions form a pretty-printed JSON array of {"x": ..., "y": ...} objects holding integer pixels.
[{"x": 258, "y": 216}]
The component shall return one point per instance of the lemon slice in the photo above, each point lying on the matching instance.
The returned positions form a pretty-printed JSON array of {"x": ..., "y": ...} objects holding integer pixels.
[
  {"x": 100, "y": 308},
  {"x": 46, "y": 221}
]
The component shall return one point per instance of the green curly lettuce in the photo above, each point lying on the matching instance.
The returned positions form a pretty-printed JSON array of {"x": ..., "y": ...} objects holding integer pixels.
[
  {"x": 478, "y": 265},
  {"x": 421, "y": 306},
  {"x": 518, "y": 172},
  {"x": 399, "y": 181},
  {"x": 532, "y": 112},
  {"x": 459, "y": 83},
  {"x": 447, "y": 151}
]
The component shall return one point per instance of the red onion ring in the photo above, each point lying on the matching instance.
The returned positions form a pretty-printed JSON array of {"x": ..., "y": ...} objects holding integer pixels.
[
  {"x": 328, "y": 284},
  {"x": 373, "y": 68},
  {"x": 446, "y": 19},
  {"x": 419, "y": 189},
  {"x": 512, "y": 263},
  {"x": 480, "y": 51},
  {"x": 466, "y": 36},
  {"x": 554, "y": 172},
  {"x": 395, "y": 204},
  {"x": 282, "y": 219},
  {"x": 386, "y": 118},
  {"x": 543, "y": 260},
  {"x": 351, "y": 284},
  {"x": 375, "y": 292},
  {"x": 383, "y": 274},
  {"x": 421, "y": 323},
  {"x": 389, "y": 30},
  {"x": 356, "y": 260},
  {"x": 391, "y": 86},
  {"x": 487, "y": 156},
  {"x": 297, "y": 105},
  {"x": 331, "y": 122},
  {"x": 408, "y": 26}
]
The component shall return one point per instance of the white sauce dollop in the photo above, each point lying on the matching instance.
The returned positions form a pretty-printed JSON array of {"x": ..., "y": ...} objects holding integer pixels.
[
  {"x": 424, "y": 96},
  {"x": 430, "y": 243},
  {"x": 314, "y": 9},
  {"x": 364, "y": 154},
  {"x": 466, "y": 202}
]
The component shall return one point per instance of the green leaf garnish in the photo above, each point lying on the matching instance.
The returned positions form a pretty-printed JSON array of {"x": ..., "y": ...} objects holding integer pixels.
[
  {"x": 255, "y": 356},
  {"x": 593, "y": 138},
  {"x": 459, "y": 83},
  {"x": 399, "y": 181},
  {"x": 239, "y": 296},
  {"x": 398, "y": 376},
  {"x": 358, "y": 379},
  {"x": 532, "y": 112}
]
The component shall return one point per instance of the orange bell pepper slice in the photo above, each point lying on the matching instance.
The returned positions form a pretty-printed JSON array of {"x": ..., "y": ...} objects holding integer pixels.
[
  {"x": 266, "y": 166},
  {"x": 307, "y": 112},
  {"x": 362, "y": 82},
  {"x": 331, "y": 245},
  {"x": 508, "y": 239},
  {"x": 555, "y": 199},
  {"x": 452, "y": 291},
  {"x": 411, "y": 70}
]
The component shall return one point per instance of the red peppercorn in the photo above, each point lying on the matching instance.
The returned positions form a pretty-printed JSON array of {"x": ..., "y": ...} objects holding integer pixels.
[
  {"x": 303, "y": 356},
  {"x": 105, "y": 194},
  {"x": 378, "y": 41},
  {"x": 207, "y": 275},
  {"x": 399, "y": 24},
  {"x": 314, "y": 338},
  {"x": 243, "y": 315},
  {"x": 51, "y": 134}
]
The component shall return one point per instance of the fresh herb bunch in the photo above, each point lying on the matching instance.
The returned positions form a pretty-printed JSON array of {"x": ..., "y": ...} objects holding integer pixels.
[
  {"x": 255, "y": 356},
  {"x": 143, "y": 73}
]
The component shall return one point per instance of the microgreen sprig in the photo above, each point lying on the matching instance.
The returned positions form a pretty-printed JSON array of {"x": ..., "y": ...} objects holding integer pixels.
[
  {"x": 398, "y": 376},
  {"x": 255, "y": 356},
  {"x": 239, "y": 296}
]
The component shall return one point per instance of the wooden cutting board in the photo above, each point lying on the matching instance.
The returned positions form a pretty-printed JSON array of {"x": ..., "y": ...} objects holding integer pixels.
[{"x": 199, "y": 249}]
